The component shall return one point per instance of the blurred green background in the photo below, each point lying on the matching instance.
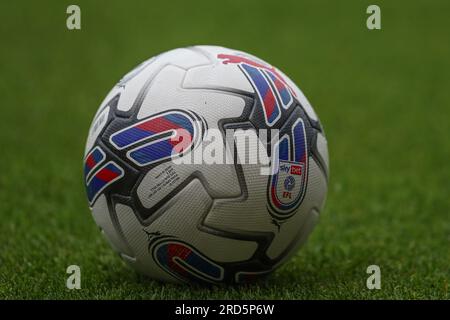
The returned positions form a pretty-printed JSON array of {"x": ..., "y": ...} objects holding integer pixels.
[{"x": 382, "y": 96}]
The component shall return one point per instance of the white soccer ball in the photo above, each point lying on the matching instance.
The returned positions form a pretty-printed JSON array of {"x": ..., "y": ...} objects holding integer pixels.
[{"x": 156, "y": 182}]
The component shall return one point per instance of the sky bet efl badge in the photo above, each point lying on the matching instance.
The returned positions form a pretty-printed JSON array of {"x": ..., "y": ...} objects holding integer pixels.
[{"x": 287, "y": 184}]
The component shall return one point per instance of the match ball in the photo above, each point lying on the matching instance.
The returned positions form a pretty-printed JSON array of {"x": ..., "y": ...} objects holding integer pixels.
[{"x": 206, "y": 164}]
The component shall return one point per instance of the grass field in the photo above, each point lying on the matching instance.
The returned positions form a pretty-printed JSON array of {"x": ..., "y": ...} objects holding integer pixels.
[{"x": 383, "y": 98}]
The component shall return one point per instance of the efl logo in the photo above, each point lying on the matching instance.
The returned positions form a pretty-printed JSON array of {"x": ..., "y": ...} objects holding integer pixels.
[
  {"x": 297, "y": 170},
  {"x": 287, "y": 195}
]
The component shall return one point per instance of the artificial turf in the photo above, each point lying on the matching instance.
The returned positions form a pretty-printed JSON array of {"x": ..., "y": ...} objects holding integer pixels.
[{"x": 382, "y": 96}]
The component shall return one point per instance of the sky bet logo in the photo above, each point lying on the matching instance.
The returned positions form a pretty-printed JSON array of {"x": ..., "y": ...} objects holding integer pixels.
[
  {"x": 297, "y": 170},
  {"x": 285, "y": 168}
]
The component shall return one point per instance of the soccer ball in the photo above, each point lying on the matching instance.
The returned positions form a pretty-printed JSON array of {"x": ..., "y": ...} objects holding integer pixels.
[{"x": 176, "y": 218}]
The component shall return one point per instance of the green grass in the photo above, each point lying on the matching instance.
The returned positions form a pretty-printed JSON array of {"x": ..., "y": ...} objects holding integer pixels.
[{"x": 383, "y": 97}]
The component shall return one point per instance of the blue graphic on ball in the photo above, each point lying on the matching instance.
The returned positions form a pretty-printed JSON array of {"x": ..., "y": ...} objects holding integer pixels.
[{"x": 289, "y": 183}]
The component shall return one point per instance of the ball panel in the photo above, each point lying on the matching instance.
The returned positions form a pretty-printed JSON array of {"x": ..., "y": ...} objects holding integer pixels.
[
  {"x": 216, "y": 75},
  {"x": 113, "y": 234},
  {"x": 248, "y": 214},
  {"x": 138, "y": 239},
  {"x": 322, "y": 148},
  {"x": 183, "y": 217},
  {"x": 313, "y": 200},
  {"x": 301, "y": 237},
  {"x": 133, "y": 82},
  {"x": 143, "y": 74},
  {"x": 167, "y": 93},
  {"x": 166, "y": 178},
  {"x": 97, "y": 126}
]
